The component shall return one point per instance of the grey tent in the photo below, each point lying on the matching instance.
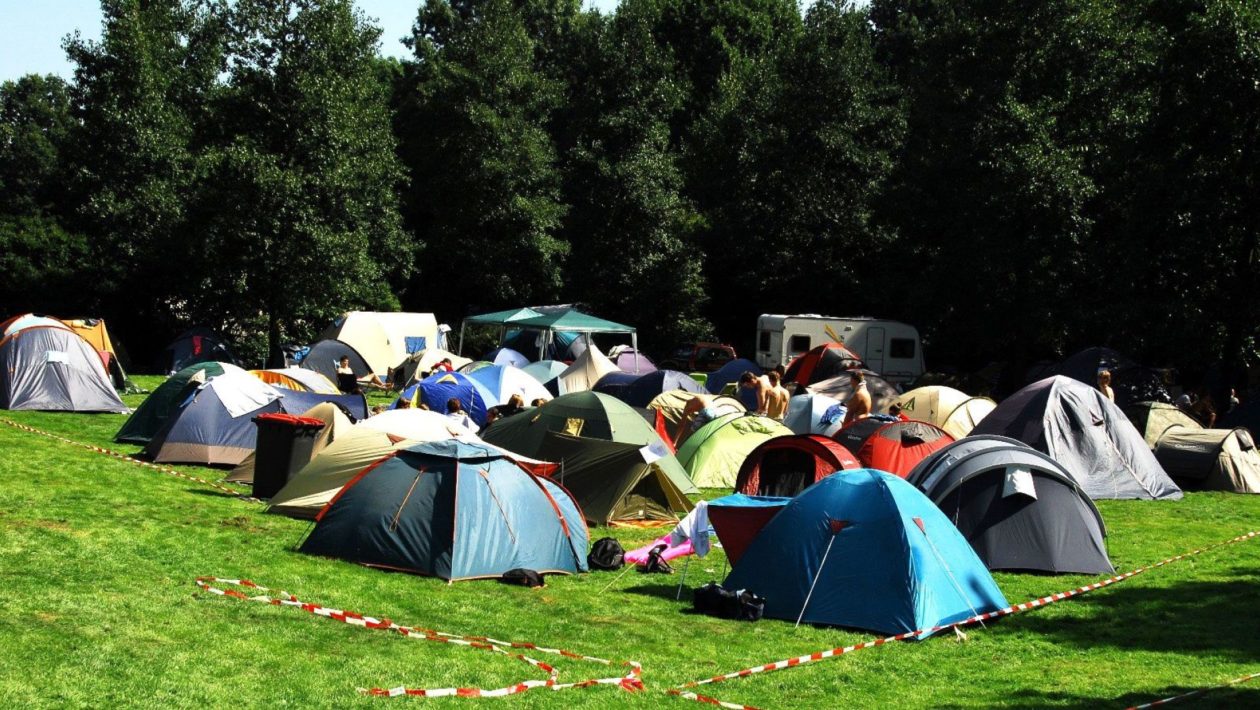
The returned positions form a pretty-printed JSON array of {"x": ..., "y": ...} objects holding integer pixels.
[
  {"x": 46, "y": 366},
  {"x": 1018, "y": 508},
  {"x": 614, "y": 482},
  {"x": 883, "y": 393},
  {"x": 1211, "y": 459},
  {"x": 1154, "y": 419},
  {"x": 1087, "y": 434}
]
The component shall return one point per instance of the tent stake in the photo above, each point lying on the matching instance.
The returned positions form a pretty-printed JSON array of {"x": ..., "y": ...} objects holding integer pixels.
[
  {"x": 681, "y": 582},
  {"x": 815, "y": 582}
]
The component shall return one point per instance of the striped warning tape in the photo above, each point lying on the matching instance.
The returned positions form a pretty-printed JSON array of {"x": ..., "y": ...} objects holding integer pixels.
[
  {"x": 1014, "y": 609},
  {"x": 631, "y": 681},
  {"x": 130, "y": 459},
  {"x": 1193, "y": 693}
]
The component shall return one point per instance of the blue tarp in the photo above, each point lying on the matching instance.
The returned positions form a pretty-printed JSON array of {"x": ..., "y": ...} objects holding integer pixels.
[{"x": 896, "y": 565}]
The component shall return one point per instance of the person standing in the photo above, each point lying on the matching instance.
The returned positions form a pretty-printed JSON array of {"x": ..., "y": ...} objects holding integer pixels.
[
  {"x": 1104, "y": 385},
  {"x": 776, "y": 397},
  {"x": 761, "y": 385}
]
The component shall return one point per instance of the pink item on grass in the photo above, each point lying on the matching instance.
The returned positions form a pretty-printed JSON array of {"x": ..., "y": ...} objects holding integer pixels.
[{"x": 640, "y": 556}]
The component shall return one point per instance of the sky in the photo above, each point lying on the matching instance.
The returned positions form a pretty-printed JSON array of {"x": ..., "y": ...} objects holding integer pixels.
[{"x": 31, "y": 32}]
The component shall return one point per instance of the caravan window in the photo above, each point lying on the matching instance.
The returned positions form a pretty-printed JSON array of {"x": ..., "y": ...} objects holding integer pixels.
[
  {"x": 799, "y": 343},
  {"x": 763, "y": 341},
  {"x": 901, "y": 348}
]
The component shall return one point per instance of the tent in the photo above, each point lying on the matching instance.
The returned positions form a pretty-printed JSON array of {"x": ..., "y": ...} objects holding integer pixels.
[
  {"x": 503, "y": 381},
  {"x": 583, "y": 373},
  {"x": 822, "y": 363},
  {"x": 1086, "y": 433},
  {"x": 614, "y": 483},
  {"x": 840, "y": 388},
  {"x": 435, "y": 390},
  {"x": 545, "y": 370},
  {"x": 335, "y": 422},
  {"x": 814, "y": 414},
  {"x": 954, "y": 411},
  {"x": 215, "y": 424},
  {"x": 590, "y": 415},
  {"x": 615, "y": 384},
  {"x": 894, "y": 563},
  {"x": 630, "y": 360},
  {"x": 1211, "y": 459},
  {"x": 453, "y": 510},
  {"x": 499, "y": 318},
  {"x": 157, "y": 408},
  {"x": 738, "y": 518},
  {"x": 44, "y": 365},
  {"x": 1130, "y": 381},
  {"x": 672, "y": 403},
  {"x": 297, "y": 378},
  {"x": 1018, "y": 508},
  {"x": 1154, "y": 419},
  {"x": 385, "y": 339},
  {"x": 298, "y": 401},
  {"x": 895, "y": 447},
  {"x": 506, "y": 356},
  {"x": 193, "y": 346},
  {"x": 646, "y": 388},
  {"x": 326, "y": 354},
  {"x": 729, "y": 373},
  {"x": 419, "y": 365},
  {"x": 572, "y": 321},
  {"x": 787, "y": 465},
  {"x": 713, "y": 454},
  {"x": 353, "y": 450},
  {"x": 94, "y": 331}
]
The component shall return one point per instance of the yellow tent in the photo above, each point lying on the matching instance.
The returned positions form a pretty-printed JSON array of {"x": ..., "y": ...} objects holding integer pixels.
[
  {"x": 94, "y": 331},
  {"x": 955, "y": 412},
  {"x": 297, "y": 378}
]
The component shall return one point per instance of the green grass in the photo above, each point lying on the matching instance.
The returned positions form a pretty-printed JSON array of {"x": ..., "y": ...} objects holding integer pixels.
[{"x": 98, "y": 608}]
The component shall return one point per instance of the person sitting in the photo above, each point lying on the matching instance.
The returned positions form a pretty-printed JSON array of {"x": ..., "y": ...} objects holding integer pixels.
[
  {"x": 455, "y": 412},
  {"x": 895, "y": 412},
  {"x": 538, "y": 402},
  {"x": 859, "y": 404},
  {"x": 444, "y": 365},
  {"x": 346, "y": 380},
  {"x": 514, "y": 405}
]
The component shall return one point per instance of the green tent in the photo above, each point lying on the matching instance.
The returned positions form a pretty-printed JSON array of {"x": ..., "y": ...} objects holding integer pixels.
[
  {"x": 587, "y": 414},
  {"x": 152, "y": 414},
  {"x": 1154, "y": 419},
  {"x": 614, "y": 482},
  {"x": 713, "y": 453}
]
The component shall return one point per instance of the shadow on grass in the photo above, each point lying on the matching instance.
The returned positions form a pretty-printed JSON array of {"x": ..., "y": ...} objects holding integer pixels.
[
  {"x": 214, "y": 493},
  {"x": 1235, "y": 697},
  {"x": 661, "y": 591},
  {"x": 1188, "y": 617}
]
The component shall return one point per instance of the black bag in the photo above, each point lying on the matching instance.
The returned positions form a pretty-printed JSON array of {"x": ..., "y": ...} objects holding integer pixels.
[
  {"x": 713, "y": 600},
  {"x": 654, "y": 562},
  {"x": 606, "y": 554},
  {"x": 523, "y": 577}
]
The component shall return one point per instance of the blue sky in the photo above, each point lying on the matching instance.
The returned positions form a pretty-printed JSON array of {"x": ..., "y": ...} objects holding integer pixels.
[{"x": 31, "y": 31}]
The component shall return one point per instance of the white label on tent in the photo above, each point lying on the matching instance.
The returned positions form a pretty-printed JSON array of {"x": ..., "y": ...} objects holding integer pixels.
[
  {"x": 57, "y": 356},
  {"x": 1019, "y": 481},
  {"x": 653, "y": 452}
]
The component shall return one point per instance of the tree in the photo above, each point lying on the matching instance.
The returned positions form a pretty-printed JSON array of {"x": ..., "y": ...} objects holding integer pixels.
[
  {"x": 35, "y": 129},
  {"x": 306, "y": 161},
  {"x": 485, "y": 193}
]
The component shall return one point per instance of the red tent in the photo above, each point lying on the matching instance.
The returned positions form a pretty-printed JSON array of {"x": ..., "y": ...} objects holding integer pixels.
[
  {"x": 787, "y": 465},
  {"x": 895, "y": 447},
  {"x": 821, "y": 363}
]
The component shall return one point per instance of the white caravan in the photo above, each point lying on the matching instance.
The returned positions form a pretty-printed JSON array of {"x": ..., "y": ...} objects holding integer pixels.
[{"x": 889, "y": 347}]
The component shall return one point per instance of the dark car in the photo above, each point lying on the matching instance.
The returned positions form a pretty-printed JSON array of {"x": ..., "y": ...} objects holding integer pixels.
[{"x": 698, "y": 357}]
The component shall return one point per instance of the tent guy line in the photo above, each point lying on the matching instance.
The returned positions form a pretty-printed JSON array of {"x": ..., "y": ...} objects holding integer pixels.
[
  {"x": 129, "y": 459},
  {"x": 1013, "y": 609},
  {"x": 1195, "y": 693}
]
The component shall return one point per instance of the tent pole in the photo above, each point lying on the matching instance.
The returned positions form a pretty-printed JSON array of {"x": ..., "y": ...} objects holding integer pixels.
[
  {"x": 813, "y": 584},
  {"x": 462, "y": 325},
  {"x": 681, "y": 582},
  {"x": 634, "y": 343}
]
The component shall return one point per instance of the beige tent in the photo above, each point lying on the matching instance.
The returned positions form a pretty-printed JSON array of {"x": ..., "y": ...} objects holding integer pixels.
[
  {"x": 417, "y": 364},
  {"x": 954, "y": 411},
  {"x": 381, "y": 338},
  {"x": 1154, "y": 419},
  {"x": 355, "y": 448},
  {"x": 297, "y": 378},
  {"x": 585, "y": 371},
  {"x": 335, "y": 422},
  {"x": 1210, "y": 459},
  {"x": 672, "y": 403}
]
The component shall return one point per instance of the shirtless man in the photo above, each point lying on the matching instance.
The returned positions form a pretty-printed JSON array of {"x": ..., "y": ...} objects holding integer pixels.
[
  {"x": 762, "y": 385},
  {"x": 700, "y": 410},
  {"x": 859, "y": 404},
  {"x": 776, "y": 398}
]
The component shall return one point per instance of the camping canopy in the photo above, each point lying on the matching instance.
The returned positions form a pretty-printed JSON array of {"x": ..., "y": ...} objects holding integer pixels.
[
  {"x": 1018, "y": 508},
  {"x": 713, "y": 454},
  {"x": 1086, "y": 433},
  {"x": 453, "y": 510},
  {"x": 614, "y": 483},
  {"x": 895, "y": 564},
  {"x": 499, "y": 318},
  {"x": 572, "y": 321},
  {"x": 954, "y": 411},
  {"x": 787, "y": 465}
]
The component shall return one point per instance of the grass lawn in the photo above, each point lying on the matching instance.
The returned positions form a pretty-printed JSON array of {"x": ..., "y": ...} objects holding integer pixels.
[{"x": 98, "y": 608}]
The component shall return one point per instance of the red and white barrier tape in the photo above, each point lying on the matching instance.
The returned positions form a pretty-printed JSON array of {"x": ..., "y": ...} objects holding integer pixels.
[
  {"x": 129, "y": 459},
  {"x": 1014, "y": 609},
  {"x": 631, "y": 681},
  {"x": 1193, "y": 693}
]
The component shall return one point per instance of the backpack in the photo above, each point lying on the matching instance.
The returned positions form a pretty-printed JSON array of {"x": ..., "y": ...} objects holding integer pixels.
[
  {"x": 523, "y": 577},
  {"x": 654, "y": 562},
  {"x": 713, "y": 600},
  {"x": 606, "y": 554}
]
